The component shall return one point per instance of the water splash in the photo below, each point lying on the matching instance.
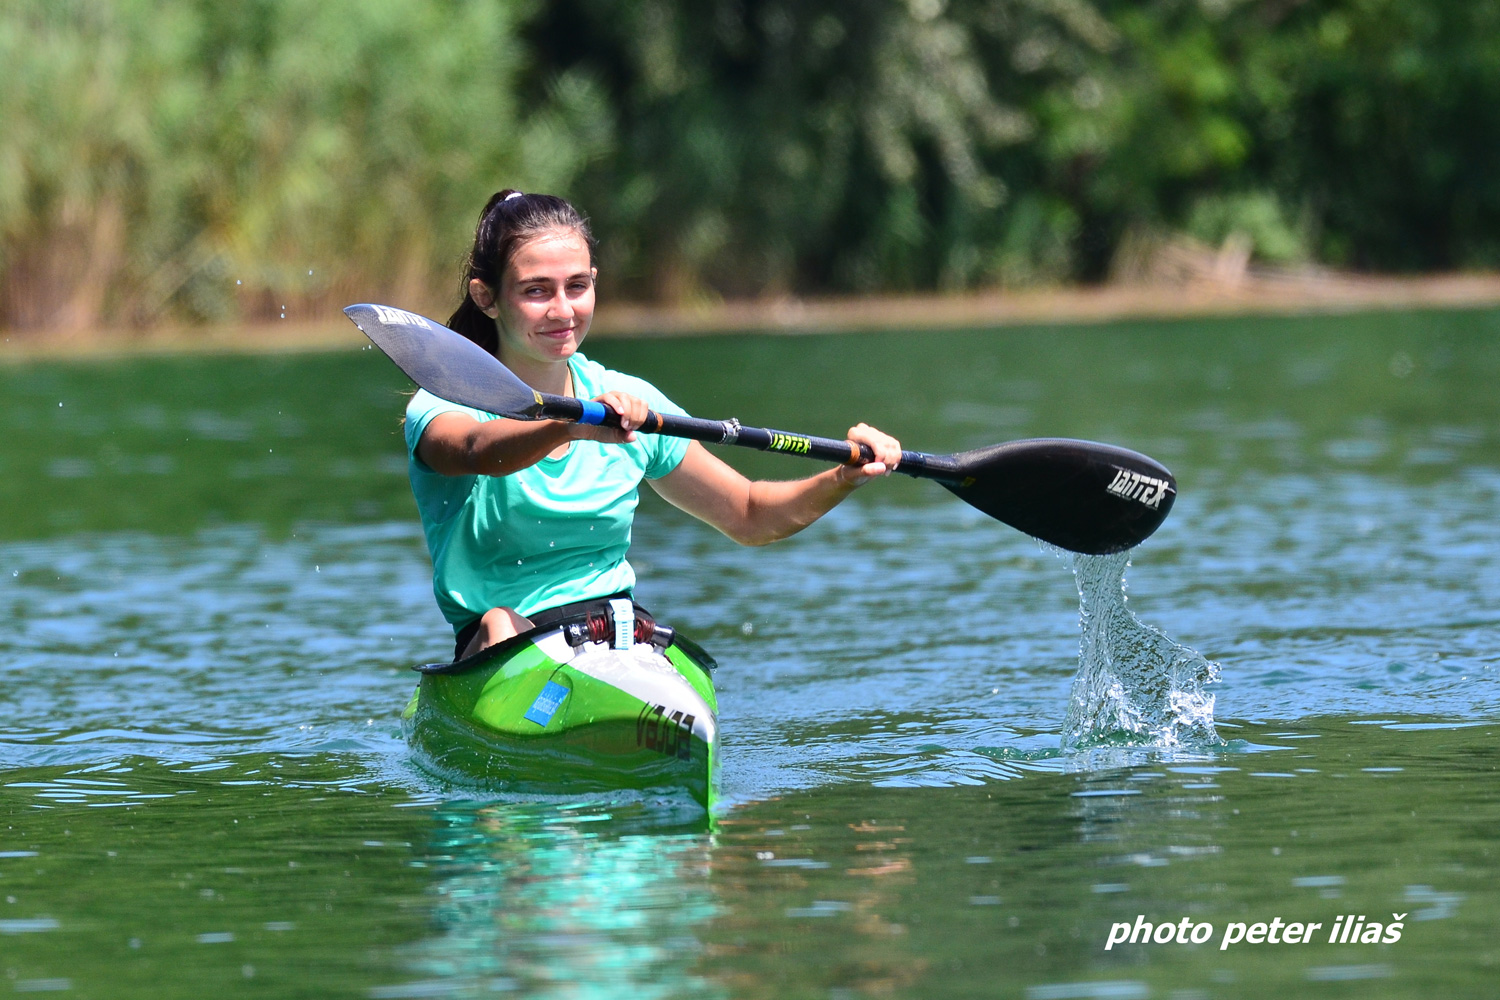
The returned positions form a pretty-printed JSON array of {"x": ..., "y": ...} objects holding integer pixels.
[{"x": 1133, "y": 680}]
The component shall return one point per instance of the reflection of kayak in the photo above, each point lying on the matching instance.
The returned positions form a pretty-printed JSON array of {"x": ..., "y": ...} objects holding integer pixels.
[{"x": 556, "y": 710}]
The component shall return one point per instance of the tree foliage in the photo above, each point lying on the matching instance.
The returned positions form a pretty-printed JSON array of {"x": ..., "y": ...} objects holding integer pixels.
[
  {"x": 203, "y": 160},
  {"x": 823, "y": 144},
  {"x": 198, "y": 161}
]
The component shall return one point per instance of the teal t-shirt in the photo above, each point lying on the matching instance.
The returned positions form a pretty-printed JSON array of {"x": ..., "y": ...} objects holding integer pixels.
[{"x": 551, "y": 534}]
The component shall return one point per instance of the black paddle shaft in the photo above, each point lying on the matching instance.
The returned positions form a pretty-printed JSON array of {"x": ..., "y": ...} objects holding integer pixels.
[
  {"x": 1077, "y": 495},
  {"x": 731, "y": 431}
]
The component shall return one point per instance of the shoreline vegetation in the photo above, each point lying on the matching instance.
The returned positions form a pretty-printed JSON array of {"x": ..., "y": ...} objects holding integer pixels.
[
  {"x": 178, "y": 165},
  {"x": 1242, "y": 293}
]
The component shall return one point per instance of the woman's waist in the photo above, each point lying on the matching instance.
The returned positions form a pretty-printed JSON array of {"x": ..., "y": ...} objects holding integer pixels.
[{"x": 528, "y": 589}]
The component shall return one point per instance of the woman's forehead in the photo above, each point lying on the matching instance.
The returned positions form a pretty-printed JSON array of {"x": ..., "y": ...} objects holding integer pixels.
[{"x": 554, "y": 251}]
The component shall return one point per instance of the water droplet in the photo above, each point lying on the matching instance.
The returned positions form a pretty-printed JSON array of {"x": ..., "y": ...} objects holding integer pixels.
[
  {"x": 551, "y": 544},
  {"x": 518, "y": 562},
  {"x": 59, "y": 405}
]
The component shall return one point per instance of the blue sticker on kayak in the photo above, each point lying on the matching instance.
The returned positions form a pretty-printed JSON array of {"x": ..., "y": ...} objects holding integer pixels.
[{"x": 547, "y": 703}]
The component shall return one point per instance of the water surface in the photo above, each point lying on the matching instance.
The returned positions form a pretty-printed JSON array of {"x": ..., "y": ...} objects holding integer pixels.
[{"x": 212, "y": 584}]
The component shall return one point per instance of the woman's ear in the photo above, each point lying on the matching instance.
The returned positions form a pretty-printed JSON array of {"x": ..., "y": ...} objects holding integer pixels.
[{"x": 484, "y": 298}]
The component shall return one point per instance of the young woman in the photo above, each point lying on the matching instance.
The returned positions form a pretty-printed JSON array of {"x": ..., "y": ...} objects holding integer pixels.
[{"x": 525, "y": 516}]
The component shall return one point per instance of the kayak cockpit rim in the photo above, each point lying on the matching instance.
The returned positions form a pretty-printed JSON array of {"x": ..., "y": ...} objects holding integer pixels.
[{"x": 574, "y": 629}]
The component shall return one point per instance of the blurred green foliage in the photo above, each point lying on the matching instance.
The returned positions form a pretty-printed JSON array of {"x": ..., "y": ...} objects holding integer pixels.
[
  {"x": 189, "y": 160},
  {"x": 826, "y": 144},
  {"x": 201, "y": 159}
]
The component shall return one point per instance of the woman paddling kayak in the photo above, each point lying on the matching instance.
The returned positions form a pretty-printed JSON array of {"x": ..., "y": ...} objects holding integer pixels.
[{"x": 523, "y": 517}]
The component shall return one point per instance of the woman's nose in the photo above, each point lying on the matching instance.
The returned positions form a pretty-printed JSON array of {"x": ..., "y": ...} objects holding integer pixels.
[{"x": 559, "y": 307}]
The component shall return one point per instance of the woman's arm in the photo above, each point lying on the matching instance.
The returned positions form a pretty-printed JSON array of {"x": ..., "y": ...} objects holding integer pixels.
[
  {"x": 455, "y": 444},
  {"x": 761, "y": 512}
]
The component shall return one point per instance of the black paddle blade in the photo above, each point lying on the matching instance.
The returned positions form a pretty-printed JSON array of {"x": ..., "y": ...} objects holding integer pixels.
[
  {"x": 1077, "y": 495},
  {"x": 445, "y": 363}
]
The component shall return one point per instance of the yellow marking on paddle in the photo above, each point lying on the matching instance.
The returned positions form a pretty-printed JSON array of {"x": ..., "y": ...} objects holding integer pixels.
[{"x": 794, "y": 443}]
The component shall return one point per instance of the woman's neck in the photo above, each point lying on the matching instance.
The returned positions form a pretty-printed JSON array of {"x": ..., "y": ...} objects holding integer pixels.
[{"x": 544, "y": 376}]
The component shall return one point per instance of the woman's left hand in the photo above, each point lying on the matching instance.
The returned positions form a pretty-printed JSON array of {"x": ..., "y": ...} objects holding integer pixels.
[{"x": 887, "y": 455}]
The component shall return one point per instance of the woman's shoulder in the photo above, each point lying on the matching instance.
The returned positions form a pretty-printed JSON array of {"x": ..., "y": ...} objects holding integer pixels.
[
  {"x": 421, "y": 400},
  {"x": 596, "y": 379}
]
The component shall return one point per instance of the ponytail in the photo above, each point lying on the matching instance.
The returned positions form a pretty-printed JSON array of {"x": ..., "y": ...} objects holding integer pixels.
[{"x": 510, "y": 218}]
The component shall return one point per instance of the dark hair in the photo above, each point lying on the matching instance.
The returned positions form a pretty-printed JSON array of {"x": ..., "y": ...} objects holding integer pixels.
[{"x": 509, "y": 219}]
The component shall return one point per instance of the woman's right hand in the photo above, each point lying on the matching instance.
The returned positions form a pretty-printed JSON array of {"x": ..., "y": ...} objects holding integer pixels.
[{"x": 632, "y": 412}]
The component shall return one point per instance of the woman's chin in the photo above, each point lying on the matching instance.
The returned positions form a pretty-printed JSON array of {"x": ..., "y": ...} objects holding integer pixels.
[{"x": 551, "y": 349}]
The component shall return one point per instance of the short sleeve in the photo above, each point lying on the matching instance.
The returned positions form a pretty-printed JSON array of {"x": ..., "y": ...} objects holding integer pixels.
[
  {"x": 439, "y": 497},
  {"x": 669, "y": 450}
]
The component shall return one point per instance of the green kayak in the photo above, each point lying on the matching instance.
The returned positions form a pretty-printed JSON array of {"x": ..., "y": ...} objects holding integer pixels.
[{"x": 558, "y": 711}]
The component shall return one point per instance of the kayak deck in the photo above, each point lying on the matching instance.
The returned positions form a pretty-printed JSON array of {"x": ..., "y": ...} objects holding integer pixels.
[{"x": 545, "y": 716}]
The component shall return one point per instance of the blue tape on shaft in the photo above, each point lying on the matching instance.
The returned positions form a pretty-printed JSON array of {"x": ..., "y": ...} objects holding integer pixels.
[{"x": 593, "y": 413}]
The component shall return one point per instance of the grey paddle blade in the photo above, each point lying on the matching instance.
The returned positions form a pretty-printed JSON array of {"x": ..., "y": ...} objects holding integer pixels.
[
  {"x": 1077, "y": 495},
  {"x": 445, "y": 363}
]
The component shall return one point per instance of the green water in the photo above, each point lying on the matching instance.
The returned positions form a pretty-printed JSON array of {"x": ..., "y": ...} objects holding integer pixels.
[{"x": 211, "y": 585}]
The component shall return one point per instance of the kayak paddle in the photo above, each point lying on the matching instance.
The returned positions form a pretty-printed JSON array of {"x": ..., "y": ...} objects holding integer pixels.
[{"x": 1077, "y": 495}]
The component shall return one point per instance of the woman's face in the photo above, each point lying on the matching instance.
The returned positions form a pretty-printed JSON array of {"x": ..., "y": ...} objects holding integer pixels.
[{"x": 546, "y": 298}]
